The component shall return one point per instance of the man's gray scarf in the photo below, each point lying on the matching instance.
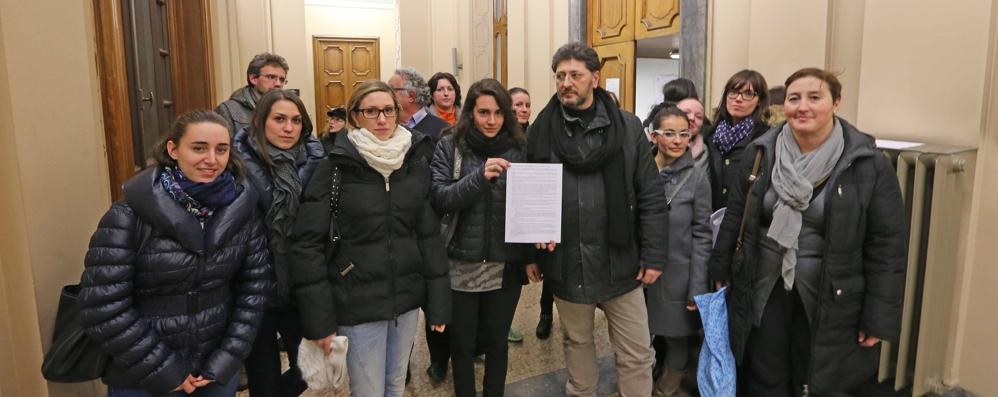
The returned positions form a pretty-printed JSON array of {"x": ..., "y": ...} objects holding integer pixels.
[{"x": 794, "y": 177}]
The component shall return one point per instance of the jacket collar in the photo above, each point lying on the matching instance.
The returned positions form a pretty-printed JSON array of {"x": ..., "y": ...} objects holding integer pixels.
[
  {"x": 246, "y": 96},
  {"x": 857, "y": 144},
  {"x": 150, "y": 201}
]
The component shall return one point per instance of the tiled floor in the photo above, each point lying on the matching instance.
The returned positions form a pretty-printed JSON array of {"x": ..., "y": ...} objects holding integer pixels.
[{"x": 535, "y": 366}]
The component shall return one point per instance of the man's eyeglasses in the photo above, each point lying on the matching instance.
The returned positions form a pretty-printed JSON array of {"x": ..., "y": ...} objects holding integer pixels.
[
  {"x": 372, "y": 113},
  {"x": 672, "y": 134},
  {"x": 575, "y": 76},
  {"x": 275, "y": 77},
  {"x": 746, "y": 95}
]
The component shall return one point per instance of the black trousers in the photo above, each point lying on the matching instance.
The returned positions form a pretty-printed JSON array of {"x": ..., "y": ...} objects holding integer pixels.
[
  {"x": 482, "y": 319},
  {"x": 547, "y": 300},
  {"x": 778, "y": 350},
  {"x": 263, "y": 366}
]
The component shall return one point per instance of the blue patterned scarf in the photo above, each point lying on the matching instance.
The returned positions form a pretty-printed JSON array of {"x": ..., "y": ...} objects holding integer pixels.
[
  {"x": 727, "y": 135},
  {"x": 200, "y": 199}
]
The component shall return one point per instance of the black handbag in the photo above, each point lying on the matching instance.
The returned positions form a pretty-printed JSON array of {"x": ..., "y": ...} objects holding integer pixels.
[{"x": 73, "y": 356}]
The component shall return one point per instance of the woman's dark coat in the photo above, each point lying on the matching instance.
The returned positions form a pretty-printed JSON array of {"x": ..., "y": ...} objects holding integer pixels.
[
  {"x": 481, "y": 205},
  {"x": 391, "y": 238},
  {"x": 260, "y": 178},
  {"x": 185, "y": 301},
  {"x": 723, "y": 169},
  {"x": 863, "y": 271}
]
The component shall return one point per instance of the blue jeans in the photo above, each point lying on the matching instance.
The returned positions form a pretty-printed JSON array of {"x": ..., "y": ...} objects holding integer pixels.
[
  {"x": 214, "y": 389},
  {"x": 378, "y": 356}
]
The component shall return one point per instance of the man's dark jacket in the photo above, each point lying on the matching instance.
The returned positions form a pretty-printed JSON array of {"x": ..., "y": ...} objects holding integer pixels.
[
  {"x": 238, "y": 109},
  {"x": 863, "y": 270},
  {"x": 585, "y": 267}
]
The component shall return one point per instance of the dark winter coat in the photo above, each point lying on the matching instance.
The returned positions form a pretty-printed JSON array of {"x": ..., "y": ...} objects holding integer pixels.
[
  {"x": 259, "y": 177},
  {"x": 185, "y": 301},
  {"x": 390, "y": 258},
  {"x": 723, "y": 169},
  {"x": 863, "y": 271},
  {"x": 481, "y": 205},
  {"x": 238, "y": 109},
  {"x": 431, "y": 126},
  {"x": 688, "y": 245},
  {"x": 585, "y": 267}
]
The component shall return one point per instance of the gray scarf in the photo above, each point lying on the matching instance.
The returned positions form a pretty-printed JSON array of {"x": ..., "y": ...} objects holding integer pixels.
[
  {"x": 794, "y": 177},
  {"x": 287, "y": 188}
]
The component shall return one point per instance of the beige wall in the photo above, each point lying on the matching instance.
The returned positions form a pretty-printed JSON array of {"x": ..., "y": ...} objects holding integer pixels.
[
  {"x": 53, "y": 179},
  {"x": 536, "y": 29},
  {"x": 328, "y": 20}
]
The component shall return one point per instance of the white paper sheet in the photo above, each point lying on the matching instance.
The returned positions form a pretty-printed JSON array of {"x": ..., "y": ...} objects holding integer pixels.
[
  {"x": 898, "y": 145},
  {"x": 613, "y": 85},
  {"x": 533, "y": 203},
  {"x": 715, "y": 221}
]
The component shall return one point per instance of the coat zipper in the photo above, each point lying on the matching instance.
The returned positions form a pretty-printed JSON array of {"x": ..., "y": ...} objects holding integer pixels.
[{"x": 391, "y": 257}]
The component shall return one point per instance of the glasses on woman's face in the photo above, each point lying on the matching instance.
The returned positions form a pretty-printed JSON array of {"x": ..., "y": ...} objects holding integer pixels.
[
  {"x": 746, "y": 95},
  {"x": 670, "y": 134},
  {"x": 372, "y": 113}
]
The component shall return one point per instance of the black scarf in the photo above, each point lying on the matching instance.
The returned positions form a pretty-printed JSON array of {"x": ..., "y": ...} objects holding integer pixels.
[
  {"x": 489, "y": 147},
  {"x": 608, "y": 158}
]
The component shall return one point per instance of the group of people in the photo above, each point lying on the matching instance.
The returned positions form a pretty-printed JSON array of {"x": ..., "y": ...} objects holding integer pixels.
[{"x": 250, "y": 233}]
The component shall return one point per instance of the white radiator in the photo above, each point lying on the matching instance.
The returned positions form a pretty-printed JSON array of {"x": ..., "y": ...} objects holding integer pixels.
[{"x": 937, "y": 186}]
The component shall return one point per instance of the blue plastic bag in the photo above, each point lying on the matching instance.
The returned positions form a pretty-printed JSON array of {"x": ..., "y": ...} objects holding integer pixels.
[{"x": 716, "y": 374}]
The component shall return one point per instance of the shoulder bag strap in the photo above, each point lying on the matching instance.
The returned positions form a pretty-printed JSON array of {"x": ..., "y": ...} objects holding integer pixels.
[{"x": 748, "y": 197}]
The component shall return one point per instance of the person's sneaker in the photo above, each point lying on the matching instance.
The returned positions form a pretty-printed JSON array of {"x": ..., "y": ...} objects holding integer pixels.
[
  {"x": 437, "y": 371},
  {"x": 514, "y": 336},
  {"x": 544, "y": 327}
]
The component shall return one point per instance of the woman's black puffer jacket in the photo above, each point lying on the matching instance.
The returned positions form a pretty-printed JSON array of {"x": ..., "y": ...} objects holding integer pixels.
[
  {"x": 166, "y": 298},
  {"x": 389, "y": 234},
  {"x": 259, "y": 176},
  {"x": 480, "y": 233}
]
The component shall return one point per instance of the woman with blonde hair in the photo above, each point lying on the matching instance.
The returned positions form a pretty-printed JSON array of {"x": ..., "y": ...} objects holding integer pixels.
[{"x": 367, "y": 252}]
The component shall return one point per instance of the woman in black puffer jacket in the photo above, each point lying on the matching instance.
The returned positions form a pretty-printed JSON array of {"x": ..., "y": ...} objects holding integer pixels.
[
  {"x": 389, "y": 259},
  {"x": 280, "y": 155},
  {"x": 178, "y": 273},
  {"x": 486, "y": 272}
]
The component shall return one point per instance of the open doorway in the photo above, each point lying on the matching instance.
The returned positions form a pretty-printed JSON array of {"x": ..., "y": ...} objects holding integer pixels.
[{"x": 657, "y": 63}]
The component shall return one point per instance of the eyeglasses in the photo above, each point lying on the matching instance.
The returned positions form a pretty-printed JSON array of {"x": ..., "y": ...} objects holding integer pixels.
[
  {"x": 372, "y": 113},
  {"x": 282, "y": 79},
  {"x": 672, "y": 134},
  {"x": 746, "y": 95},
  {"x": 575, "y": 76}
]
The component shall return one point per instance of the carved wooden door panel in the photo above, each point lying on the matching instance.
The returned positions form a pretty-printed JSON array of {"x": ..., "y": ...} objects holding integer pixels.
[
  {"x": 618, "y": 63},
  {"x": 611, "y": 21},
  {"x": 340, "y": 65},
  {"x": 655, "y": 18}
]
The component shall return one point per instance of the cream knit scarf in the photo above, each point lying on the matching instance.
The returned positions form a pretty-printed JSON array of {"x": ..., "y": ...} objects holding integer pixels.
[{"x": 385, "y": 156}]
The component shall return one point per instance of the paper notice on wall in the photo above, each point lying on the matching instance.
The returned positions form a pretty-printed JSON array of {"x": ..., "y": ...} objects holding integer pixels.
[{"x": 613, "y": 85}]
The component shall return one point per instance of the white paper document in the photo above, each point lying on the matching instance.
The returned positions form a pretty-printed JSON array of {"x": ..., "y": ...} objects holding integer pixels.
[
  {"x": 715, "y": 222},
  {"x": 533, "y": 203}
]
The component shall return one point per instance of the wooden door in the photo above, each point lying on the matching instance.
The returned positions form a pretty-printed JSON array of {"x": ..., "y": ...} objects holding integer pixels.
[
  {"x": 617, "y": 62},
  {"x": 655, "y": 18},
  {"x": 611, "y": 21},
  {"x": 341, "y": 63},
  {"x": 147, "y": 45}
]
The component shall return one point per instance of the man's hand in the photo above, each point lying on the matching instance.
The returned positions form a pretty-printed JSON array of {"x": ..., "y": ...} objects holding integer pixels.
[
  {"x": 438, "y": 328},
  {"x": 326, "y": 343},
  {"x": 867, "y": 340},
  {"x": 648, "y": 275},
  {"x": 534, "y": 273},
  {"x": 546, "y": 246}
]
